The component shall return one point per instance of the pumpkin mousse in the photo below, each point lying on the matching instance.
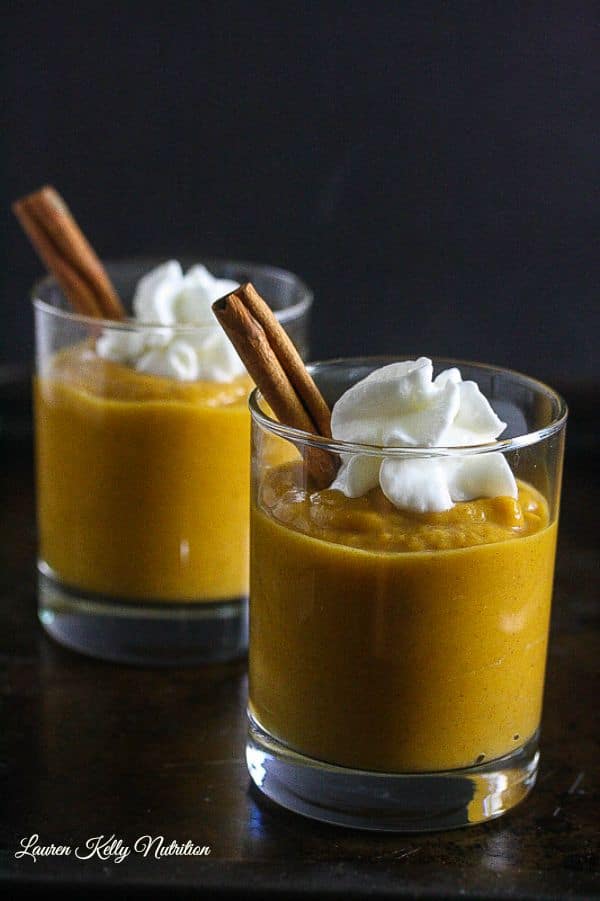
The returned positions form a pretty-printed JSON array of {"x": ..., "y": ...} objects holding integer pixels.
[
  {"x": 142, "y": 451},
  {"x": 399, "y": 615}
]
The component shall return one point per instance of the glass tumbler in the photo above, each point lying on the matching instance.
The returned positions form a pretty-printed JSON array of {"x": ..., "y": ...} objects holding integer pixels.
[
  {"x": 397, "y": 659},
  {"x": 143, "y": 484}
]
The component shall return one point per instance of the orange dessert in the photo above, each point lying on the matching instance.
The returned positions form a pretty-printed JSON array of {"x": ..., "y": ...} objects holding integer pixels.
[
  {"x": 142, "y": 480},
  {"x": 400, "y": 584},
  {"x": 389, "y": 640}
]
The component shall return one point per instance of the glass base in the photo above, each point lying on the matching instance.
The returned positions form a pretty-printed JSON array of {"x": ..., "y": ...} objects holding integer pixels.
[
  {"x": 411, "y": 802},
  {"x": 154, "y": 634}
]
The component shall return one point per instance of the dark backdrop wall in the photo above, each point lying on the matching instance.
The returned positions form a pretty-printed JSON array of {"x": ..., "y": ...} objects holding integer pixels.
[{"x": 431, "y": 169}]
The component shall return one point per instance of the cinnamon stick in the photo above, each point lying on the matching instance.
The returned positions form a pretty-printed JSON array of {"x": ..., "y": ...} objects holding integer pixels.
[
  {"x": 250, "y": 341},
  {"x": 276, "y": 378},
  {"x": 67, "y": 254},
  {"x": 288, "y": 356}
]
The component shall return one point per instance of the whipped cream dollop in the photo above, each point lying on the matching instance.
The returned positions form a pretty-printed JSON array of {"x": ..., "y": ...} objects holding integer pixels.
[
  {"x": 167, "y": 297},
  {"x": 402, "y": 405}
]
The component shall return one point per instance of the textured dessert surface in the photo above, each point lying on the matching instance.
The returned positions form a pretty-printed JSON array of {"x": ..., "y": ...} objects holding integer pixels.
[
  {"x": 373, "y": 523},
  {"x": 80, "y": 369}
]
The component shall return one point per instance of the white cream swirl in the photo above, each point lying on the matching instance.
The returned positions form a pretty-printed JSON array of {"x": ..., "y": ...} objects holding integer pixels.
[
  {"x": 402, "y": 405},
  {"x": 167, "y": 297}
]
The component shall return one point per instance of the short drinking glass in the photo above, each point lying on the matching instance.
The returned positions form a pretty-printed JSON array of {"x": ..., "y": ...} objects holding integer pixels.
[
  {"x": 143, "y": 483},
  {"x": 397, "y": 659}
]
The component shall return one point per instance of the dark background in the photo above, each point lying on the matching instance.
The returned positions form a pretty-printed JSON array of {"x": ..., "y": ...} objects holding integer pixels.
[{"x": 429, "y": 168}]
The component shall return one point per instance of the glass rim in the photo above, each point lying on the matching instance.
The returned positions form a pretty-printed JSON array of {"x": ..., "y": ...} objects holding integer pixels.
[
  {"x": 289, "y": 313},
  {"x": 299, "y": 436}
]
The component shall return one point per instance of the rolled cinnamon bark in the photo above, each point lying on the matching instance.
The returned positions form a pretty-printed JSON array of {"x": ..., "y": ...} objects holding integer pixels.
[
  {"x": 249, "y": 339},
  {"x": 288, "y": 356},
  {"x": 67, "y": 254},
  {"x": 277, "y": 377}
]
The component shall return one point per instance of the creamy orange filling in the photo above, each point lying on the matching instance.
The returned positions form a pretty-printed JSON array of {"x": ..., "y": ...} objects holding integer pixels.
[
  {"x": 393, "y": 641},
  {"x": 143, "y": 482}
]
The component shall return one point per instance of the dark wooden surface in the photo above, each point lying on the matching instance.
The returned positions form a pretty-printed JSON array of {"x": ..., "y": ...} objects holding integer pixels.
[{"x": 88, "y": 748}]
